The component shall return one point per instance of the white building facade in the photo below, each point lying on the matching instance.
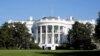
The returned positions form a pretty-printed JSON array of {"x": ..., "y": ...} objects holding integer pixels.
[{"x": 50, "y": 32}]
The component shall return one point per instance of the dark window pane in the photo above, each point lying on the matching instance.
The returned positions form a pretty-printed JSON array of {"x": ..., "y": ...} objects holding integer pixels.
[
  {"x": 49, "y": 38},
  {"x": 43, "y": 38},
  {"x": 49, "y": 28},
  {"x": 56, "y": 38},
  {"x": 38, "y": 29},
  {"x": 43, "y": 29},
  {"x": 61, "y": 28},
  {"x": 55, "y": 29}
]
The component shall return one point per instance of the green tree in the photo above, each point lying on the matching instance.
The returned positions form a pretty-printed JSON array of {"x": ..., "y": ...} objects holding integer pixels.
[
  {"x": 19, "y": 33},
  {"x": 5, "y": 36},
  {"x": 97, "y": 28},
  {"x": 15, "y": 35},
  {"x": 80, "y": 36},
  {"x": 97, "y": 32}
]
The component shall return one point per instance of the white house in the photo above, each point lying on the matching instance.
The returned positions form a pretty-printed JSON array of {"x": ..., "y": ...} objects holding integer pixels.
[{"x": 49, "y": 32}]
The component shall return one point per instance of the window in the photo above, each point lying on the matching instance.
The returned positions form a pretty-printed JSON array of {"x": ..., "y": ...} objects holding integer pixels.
[
  {"x": 56, "y": 38},
  {"x": 49, "y": 38},
  {"x": 49, "y": 28},
  {"x": 43, "y": 38},
  {"x": 61, "y": 28},
  {"x": 32, "y": 29},
  {"x": 55, "y": 29},
  {"x": 43, "y": 29},
  {"x": 38, "y": 29},
  {"x": 61, "y": 38}
]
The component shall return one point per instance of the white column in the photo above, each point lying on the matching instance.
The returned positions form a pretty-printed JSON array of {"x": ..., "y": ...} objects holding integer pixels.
[
  {"x": 59, "y": 34},
  {"x": 40, "y": 34},
  {"x": 37, "y": 35},
  {"x": 52, "y": 34},
  {"x": 53, "y": 43}
]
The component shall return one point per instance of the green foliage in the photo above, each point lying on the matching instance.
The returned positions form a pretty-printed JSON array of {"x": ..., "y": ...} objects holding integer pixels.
[
  {"x": 63, "y": 46},
  {"x": 16, "y": 36},
  {"x": 97, "y": 29},
  {"x": 80, "y": 36}
]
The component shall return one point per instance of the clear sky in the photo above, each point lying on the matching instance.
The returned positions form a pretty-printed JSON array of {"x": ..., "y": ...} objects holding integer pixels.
[{"x": 22, "y": 9}]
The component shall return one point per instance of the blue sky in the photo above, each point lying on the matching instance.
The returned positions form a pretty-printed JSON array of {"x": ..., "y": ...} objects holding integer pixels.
[{"x": 22, "y": 9}]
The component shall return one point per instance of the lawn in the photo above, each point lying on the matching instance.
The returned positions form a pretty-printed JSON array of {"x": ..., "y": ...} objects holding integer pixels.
[{"x": 49, "y": 53}]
